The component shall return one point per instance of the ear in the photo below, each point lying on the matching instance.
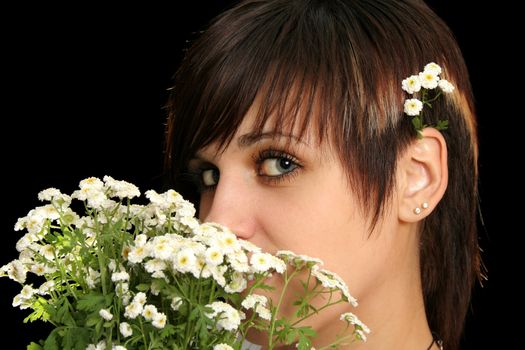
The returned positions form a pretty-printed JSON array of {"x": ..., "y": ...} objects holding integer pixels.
[{"x": 422, "y": 176}]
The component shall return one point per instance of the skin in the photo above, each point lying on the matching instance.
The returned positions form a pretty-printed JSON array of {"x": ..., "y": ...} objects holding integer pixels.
[{"x": 311, "y": 210}]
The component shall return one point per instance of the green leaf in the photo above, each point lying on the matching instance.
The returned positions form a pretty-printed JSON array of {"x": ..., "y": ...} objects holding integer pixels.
[
  {"x": 167, "y": 331},
  {"x": 51, "y": 341},
  {"x": 143, "y": 287},
  {"x": 417, "y": 123},
  {"x": 34, "y": 346},
  {"x": 194, "y": 313},
  {"x": 304, "y": 343},
  {"x": 91, "y": 302},
  {"x": 442, "y": 124},
  {"x": 308, "y": 331},
  {"x": 93, "y": 319},
  {"x": 291, "y": 336}
]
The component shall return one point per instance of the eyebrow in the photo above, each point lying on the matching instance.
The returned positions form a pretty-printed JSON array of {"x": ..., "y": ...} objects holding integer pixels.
[{"x": 247, "y": 140}]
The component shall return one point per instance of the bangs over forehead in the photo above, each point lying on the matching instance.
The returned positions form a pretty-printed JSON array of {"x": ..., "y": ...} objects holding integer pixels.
[
  {"x": 330, "y": 68},
  {"x": 295, "y": 60},
  {"x": 276, "y": 61}
]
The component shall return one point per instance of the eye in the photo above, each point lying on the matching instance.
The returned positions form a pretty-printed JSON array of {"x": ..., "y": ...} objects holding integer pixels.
[
  {"x": 276, "y": 166},
  {"x": 210, "y": 177}
]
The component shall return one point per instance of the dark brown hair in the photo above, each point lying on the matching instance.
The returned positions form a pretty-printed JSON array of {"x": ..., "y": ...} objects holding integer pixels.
[{"x": 341, "y": 63}]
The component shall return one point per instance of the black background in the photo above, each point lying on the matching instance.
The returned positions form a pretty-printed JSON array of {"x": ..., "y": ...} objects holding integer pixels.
[{"x": 82, "y": 91}]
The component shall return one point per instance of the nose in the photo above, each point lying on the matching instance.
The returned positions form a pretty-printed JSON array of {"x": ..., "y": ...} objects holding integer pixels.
[{"x": 232, "y": 204}]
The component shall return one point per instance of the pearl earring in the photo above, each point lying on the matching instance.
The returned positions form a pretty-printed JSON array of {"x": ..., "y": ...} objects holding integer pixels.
[
  {"x": 417, "y": 211},
  {"x": 424, "y": 205}
]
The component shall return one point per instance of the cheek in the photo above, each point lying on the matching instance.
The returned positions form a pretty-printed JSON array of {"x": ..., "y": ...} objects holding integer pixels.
[
  {"x": 323, "y": 223},
  {"x": 328, "y": 225}
]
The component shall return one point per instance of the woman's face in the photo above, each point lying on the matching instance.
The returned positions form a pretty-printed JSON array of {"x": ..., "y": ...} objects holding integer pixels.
[{"x": 282, "y": 193}]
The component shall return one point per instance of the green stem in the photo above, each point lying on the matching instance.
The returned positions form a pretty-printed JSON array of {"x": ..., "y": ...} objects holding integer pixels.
[
  {"x": 101, "y": 262},
  {"x": 143, "y": 334},
  {"x": 315, "y": 312},
  {"x": 336, "y": 343},
  {"x": 274, "y": 314}
]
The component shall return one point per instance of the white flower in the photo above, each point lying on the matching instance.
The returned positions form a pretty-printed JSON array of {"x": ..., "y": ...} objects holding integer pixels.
[
  {"x": 47, "y": 212},
  {"x": 360, "y": 328},
  {"x": 140, "y": 298},
  {"x": 133, "y": 310},
  {"x": 92, "y": 278},
  {"x": 137, "y": 254},
  {"x": 214, "y": 256},
  {"x": 27, "y": 292},
  {"x": 38, "y": 269},
  {"x": 411, "y": 84},
  {"x": 47, "y": 251},
  {"x": 112, "y": 266},
  {"x": 360, "y": 334},
  {"x": 141, "y": 240},
  {"x": 100, "y": 346},
  {"x": 446, "y": 86},
  {"x": 239, "y": 261},
  {"x": 159, "y": 320},
  {"x": 118, "y": 347},
  {"x": 237, "y": 284},
  {"x": 48, "y": 194},
  {"x": 149, "y": 312},
  {"x": 125, "y": 329},
  {"x": 261, "y": 262},
  {"x": 413, "y": 106},
  {"x": 227, "y": 242},
  {"x": 105, "y": 314},
  {"x": 155, "y": 288},
  {"x": 332, "y": 280},
  {"x": 248, "y": 246},
  {"x": 155, "y": 265},
  {"x": 16, "y": 271},
  {"x": 25, "y": 241},
  {"x": 176, "y": 303},
  {"x": 251, "y": 300},
  {"x": 258, "y": 303},
  {"x": 433, "y": 68},
  {"x": 263, "y": 312},
  {"x": 20, "y": 302},
  {"x": 121, "y": 189},
  {"x": 222, "y": 346},
  {"x": 428, "y": 79},
  {"x": 91, "y": 182},
  {"x": 162, "y": 250},
  {"x": 185, "y": 260},
  {"x": 228, "y": 318},
  {"x": 46, "y": 287},
  {"x": 120, "y": 276}
]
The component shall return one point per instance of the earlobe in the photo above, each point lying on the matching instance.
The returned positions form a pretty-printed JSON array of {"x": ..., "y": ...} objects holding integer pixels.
[{"x": 422, "y": 176}]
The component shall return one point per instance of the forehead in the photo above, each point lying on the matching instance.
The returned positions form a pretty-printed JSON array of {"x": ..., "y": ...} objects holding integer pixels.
[{"x": 291, "y": 132}]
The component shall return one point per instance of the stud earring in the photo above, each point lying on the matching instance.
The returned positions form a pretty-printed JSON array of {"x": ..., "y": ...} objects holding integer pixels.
[
  {"x": 424, "y": 205},
  {"x": 417, "y": 211}
]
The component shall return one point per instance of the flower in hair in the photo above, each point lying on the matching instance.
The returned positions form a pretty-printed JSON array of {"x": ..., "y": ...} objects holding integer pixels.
[{"x": 425, "y": 83}]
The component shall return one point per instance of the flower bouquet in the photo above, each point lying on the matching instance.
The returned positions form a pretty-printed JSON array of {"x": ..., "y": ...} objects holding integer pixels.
[{"x": 130, "y": 276}]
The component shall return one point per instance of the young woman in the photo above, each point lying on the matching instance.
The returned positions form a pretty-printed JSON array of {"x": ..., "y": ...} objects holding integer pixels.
[{"x": 287, "y": 124}]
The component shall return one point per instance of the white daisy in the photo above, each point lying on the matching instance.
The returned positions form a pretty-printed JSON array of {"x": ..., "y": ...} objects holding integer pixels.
[
  {"x": 433, "y": 68},
  {"x": 411, "y": 84},
  {"x": 413, "y": 106},
  {"x": 105, "y": 314},
  {"x": 428, "y": 79},
  {"x": 125, "y": 329},
  {"x": 446, "y": 86}
]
